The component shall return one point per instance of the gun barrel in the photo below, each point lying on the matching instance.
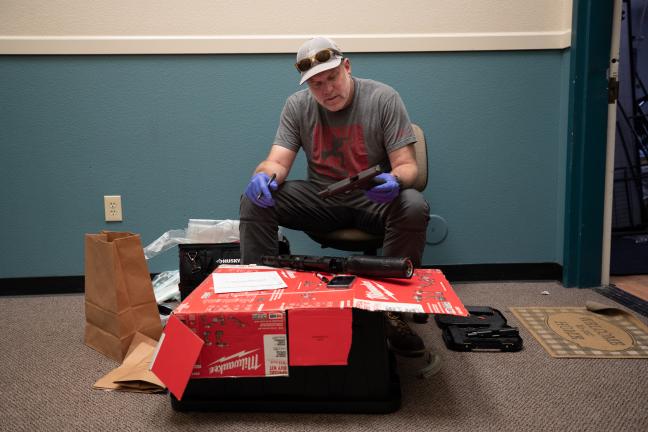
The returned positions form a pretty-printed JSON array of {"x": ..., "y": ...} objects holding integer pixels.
[
  {"x": 382, "y": 267},
  {"x": 363, "y": 265},
  {"x": 304, "y": 262}
]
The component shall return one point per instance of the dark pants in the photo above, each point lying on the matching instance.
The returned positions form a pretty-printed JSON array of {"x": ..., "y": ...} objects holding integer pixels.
[{"x": 403, "y": 221}]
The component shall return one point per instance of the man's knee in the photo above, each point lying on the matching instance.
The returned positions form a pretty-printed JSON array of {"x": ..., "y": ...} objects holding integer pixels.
[
  {"x": 246, "y": 207},
  {"x": 250, "y": 211},
  {"x": 413, "y": 210}
]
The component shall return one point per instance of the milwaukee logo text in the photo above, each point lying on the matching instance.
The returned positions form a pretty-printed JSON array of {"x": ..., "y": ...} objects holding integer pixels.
[{"x": 243, "y": 360}]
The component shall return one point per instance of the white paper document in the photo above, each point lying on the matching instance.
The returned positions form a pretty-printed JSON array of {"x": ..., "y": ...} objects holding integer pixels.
[{"x": 251, "y": 281}]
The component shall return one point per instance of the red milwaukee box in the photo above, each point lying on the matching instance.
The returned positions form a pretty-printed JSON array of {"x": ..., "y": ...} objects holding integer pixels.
[{"x": 244, "y": 333}]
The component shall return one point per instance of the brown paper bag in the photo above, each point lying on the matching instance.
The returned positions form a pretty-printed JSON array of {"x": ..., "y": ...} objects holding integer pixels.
[
  {"x": 119, "y": 298},
  {"x": 134, "y": 374}
]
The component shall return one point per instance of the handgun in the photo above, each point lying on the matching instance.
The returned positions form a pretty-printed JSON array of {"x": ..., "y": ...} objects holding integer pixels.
[{"x": 362, "y": 180}]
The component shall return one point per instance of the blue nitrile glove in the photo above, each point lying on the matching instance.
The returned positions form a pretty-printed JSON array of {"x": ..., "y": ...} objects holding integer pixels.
[
  {"x": 385, "y": 191},
  {"x": 259, "y": 185}
]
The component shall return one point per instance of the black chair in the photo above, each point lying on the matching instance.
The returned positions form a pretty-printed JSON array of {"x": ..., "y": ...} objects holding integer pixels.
[{"x": 356, "y": 240}]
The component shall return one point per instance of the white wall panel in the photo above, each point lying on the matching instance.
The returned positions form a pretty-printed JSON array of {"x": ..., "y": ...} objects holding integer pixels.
[{"x": 264, "y": 26}]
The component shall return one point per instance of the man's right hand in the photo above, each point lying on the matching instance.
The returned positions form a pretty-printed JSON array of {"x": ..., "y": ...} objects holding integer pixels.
[{"x": 258, "y": 190}]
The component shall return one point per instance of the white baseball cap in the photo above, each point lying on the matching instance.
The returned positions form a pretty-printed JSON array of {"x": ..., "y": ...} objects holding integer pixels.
[{"x": 310, "y": 48}]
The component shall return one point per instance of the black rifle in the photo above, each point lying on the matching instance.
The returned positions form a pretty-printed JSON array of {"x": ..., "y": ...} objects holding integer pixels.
[{"x": 361, "y": 265}]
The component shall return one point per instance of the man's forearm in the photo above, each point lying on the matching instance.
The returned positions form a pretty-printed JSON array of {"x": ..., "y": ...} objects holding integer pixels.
[
  {"x": 406, "y": 174},
  {"x": 271, "y": 167}
]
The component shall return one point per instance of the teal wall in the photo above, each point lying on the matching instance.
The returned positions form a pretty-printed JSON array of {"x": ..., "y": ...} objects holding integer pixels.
[{"x": 178, "y": 136}]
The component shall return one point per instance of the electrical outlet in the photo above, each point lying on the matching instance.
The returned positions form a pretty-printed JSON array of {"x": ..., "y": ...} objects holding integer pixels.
[{"x": 113, "y": 208}]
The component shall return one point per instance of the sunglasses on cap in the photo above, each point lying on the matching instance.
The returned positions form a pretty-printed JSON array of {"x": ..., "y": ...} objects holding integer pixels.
[{"x": 321, "y": 57}]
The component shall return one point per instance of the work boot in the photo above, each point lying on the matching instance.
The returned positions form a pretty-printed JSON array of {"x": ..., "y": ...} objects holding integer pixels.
[{"x": 402, "y": 340}]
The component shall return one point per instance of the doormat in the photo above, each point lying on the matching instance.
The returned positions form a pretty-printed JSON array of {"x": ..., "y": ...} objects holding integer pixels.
[{"x": 593, "y": 331}]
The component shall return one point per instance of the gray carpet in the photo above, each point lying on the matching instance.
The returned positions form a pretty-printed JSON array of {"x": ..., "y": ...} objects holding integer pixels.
[{"x": 46, "y": 375}]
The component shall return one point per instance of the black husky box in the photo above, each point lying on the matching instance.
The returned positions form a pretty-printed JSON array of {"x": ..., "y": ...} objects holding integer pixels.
[
  {"x": 367, "y": 384},
  {"x": 198, "y": 260}
]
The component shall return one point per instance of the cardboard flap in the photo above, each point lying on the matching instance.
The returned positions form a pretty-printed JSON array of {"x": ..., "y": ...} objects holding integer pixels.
[
  {"x": 176, "y": 355},
  {"x": 318, "y": 337}
]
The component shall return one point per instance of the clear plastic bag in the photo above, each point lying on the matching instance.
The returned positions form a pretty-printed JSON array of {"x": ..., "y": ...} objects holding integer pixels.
[
  {"x": 165, "y": 242},
  {"x": 213, "y": 231},
  {"x": 165, "y": 286},
  {"x": 198, "y": 231}
]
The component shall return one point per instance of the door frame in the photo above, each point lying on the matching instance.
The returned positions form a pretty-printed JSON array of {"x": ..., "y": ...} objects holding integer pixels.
[{"x": 586, "y": 142}]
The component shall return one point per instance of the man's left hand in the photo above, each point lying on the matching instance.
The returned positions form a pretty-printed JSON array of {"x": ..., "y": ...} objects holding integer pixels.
[{"x": 386, "y": 191}]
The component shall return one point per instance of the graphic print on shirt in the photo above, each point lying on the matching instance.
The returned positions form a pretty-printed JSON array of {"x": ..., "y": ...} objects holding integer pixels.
[{"x": 338, "y": 151}]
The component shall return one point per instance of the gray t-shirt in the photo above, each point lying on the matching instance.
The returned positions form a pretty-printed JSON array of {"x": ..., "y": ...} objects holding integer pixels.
[{"x": 342, "y": 143}]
